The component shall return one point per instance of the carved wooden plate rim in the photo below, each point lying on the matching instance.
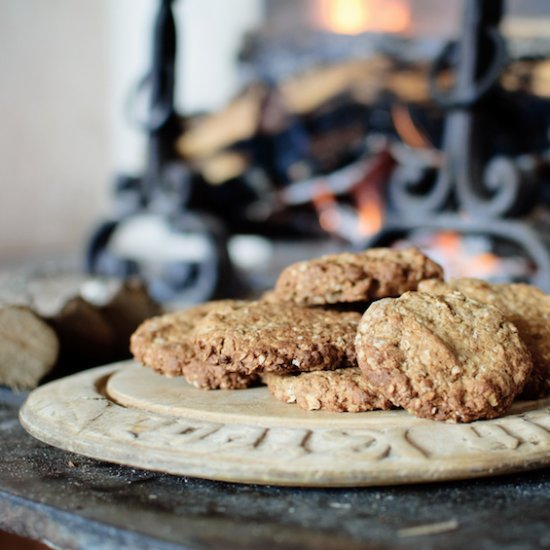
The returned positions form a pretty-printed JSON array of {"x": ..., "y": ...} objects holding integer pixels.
[{"x": 77, "y": 414}]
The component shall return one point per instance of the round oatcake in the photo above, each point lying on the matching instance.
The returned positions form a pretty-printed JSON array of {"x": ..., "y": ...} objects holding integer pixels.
[
  {"x": 341, "y": 390},
  {"x": 163, "y": 344},
  {"x": 267, "y": 337},
  {"x": 525, "y": 306},
  {"x": 354, "y": 277},
  {"x": 442, "y": 357}
]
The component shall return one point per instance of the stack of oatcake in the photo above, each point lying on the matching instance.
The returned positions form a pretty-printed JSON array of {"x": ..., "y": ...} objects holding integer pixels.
[{"x": 362, "y": 331}]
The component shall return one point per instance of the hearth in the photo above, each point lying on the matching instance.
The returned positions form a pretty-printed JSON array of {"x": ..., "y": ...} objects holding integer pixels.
[
  {"x": 475, "y": 197},
  {"x": 351, "y": 141},
  {"x": 492, "y": 182}
]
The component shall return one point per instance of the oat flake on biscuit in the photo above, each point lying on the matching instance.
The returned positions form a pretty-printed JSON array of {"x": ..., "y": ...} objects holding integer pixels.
[
  {"x": 525, "y": 306},
  {"x": 163, "y": 343},
  {"x": 267, "y": 337},
  {"x": 442, "y": 357},
  {"x": 341, "y": 390},
  {"x": 354, "y": 277}
]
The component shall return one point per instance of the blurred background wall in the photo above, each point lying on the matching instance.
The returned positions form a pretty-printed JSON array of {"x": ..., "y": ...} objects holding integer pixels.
[
  {"x": 66, "y": 67},
  {"x": 54, "y": 132}
]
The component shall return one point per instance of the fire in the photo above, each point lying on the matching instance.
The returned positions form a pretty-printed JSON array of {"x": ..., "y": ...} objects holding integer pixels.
[
  {"x": 369, "y": 194},
  {"x": 406, "y": 128},
  {"x": 361, "y": 212},
  {"x": 371, "y": 212},
  {"x": 449, "y": 242},
  {"x": 451, "y": 250},
  {"x": 470, "y": 255},
  {"x": 485, "y": 265},
  {"x": 358, "y": 16},
  {"x": 326, "y": 205}
]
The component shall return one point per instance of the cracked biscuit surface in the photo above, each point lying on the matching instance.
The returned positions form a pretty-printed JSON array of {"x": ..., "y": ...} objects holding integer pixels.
[
  {"x": 525, "y": 306},
  {"x": 443, "y": 357},
  {"x": 163, "y": 343},
  {"x": 354, "y": 277},
  {"x": 266, "y": 337},
  {"x": 341, "y": 390}
]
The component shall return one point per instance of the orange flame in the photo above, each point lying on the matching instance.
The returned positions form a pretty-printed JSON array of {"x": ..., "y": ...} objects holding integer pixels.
[
  {"x": 369, "y": 194},
  {"x": 449, "y": 246},
  {"x": 448, "y": 241},
  {"x": 371, "y": 217},
  {"x": 357, "y": 16},
  {"x": 484, "y": 265},
  {"x": 406, "y": 128},
  {"x": 326, "y": 205}
]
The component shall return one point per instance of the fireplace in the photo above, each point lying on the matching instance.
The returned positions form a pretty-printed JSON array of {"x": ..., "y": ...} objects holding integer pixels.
[
  {"x": 490, "y": 187},
  {"x": 360, "y": 123},
  {"x": 472, "y": 192}
]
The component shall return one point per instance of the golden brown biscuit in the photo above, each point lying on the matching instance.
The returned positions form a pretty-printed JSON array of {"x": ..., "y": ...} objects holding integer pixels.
[
  {"x": 212, "y": 377},
  {"x": 266, "y": 337},
  {"x": 524, "y": 305},
  {"x": 354, "y": 277},
  {"x": 342, "y": 390},
  {"x": 163, "y": 344},
  {"x": 442, "y": 357}
]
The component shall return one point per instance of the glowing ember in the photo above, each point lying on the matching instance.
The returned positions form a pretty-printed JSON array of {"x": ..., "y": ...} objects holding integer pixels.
[
  {"x": 371, "y": 215},
  {"x": 406, "y": 128},
  {"x": 485, "y": 265},
  {"x": 469, "y": 256},
  {"x": 463, "y": 259},
  {"x": 448, "y": 242},
  {"x": 326, "y": 205},
  {"x": 357, "y": 16}
]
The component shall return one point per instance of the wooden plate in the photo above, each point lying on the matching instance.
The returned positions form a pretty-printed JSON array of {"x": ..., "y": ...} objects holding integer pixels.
[{"x": 129, "y": 415}]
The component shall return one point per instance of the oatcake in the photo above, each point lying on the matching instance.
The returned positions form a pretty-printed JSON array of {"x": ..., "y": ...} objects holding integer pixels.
[
  {"x": 212, "y": 377},
  {"x": 163, "y": 344},
  {"x": 266, "y": 337},
  {"x": 342, "y": 307},
  {"x": 526, "y": 307},
  {"x": 442, "y": 357},
  {"x": 341, "y": 390},
  {"x": 354, "y": 277}
]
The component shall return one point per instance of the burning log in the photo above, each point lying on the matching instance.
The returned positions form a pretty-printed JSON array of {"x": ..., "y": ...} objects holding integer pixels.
[{"x": 363, "y": 80}]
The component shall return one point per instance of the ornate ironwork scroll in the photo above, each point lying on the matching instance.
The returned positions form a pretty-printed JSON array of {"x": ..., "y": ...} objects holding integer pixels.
[{"x": 477, "y": 179}]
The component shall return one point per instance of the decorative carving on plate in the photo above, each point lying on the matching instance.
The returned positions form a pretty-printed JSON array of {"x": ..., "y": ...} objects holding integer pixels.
[{"x": 76, "y": 414}]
